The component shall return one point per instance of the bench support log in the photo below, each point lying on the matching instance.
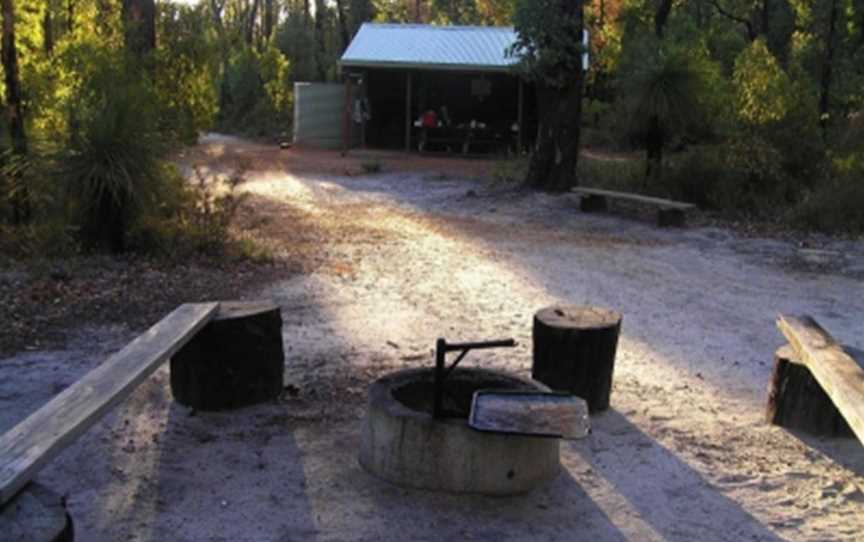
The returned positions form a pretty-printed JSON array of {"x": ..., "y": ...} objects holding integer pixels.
[
  {"x": 797, "y": 401},
  {"x": 36, "y": 514},
  {"x": 236, "y": 360},
  {"x": 671, "y": 218},
  {"x": 593, "y": 204},
  {"x": 841, "y": 376},
  {"x": 574, "y": 351}
]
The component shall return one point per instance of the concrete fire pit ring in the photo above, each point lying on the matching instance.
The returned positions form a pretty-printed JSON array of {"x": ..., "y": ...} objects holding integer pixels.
[{"x": 403, "y": 444}]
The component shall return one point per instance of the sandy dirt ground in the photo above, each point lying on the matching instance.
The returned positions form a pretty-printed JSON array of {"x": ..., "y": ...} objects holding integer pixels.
[{"x": 395, "y": 260}]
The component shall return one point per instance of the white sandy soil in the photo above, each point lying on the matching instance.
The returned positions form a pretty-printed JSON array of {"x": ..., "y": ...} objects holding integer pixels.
[{"x": 683, "y": 453}]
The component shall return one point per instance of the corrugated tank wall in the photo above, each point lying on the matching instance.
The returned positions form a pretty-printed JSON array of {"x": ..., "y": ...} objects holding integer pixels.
[{"x": 318, "y": 113}]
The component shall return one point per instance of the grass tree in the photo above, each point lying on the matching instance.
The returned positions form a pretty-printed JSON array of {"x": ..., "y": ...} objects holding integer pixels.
[
  {"x": 114, "y": 167},
  {"x": 664, "y": 92}
]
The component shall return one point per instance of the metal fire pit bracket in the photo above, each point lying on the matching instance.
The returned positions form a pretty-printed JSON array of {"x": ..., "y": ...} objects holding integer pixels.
[{"x": 442, "y": 371}]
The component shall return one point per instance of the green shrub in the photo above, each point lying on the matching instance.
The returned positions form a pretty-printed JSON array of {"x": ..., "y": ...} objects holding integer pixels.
[
  {"x": 612, "y": 173},
  {"x": 510, "y": 171},
  {"x": 834, "y": 207},
  {"x": 256, "y": 93},
  {"x": 371, "y": 166},
  {"x": 41, "y": 238},
  {"x": 196, "y": 219}
]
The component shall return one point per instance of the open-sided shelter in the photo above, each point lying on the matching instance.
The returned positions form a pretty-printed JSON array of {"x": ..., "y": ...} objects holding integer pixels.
[{"x": 427, "y": 87}]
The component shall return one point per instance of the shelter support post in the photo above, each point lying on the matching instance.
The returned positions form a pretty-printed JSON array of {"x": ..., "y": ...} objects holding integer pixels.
[
  {"x": 520, "y": 117},
  {"x": 346, "y": 116},
  {"x": 408, "y": 112}
]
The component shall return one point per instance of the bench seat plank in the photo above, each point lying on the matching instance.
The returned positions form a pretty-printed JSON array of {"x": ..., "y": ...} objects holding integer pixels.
[
  {"x": 659, "y": 202},
  {"x": 841, "y": 376},
  {"x": 25, "y": 448}
]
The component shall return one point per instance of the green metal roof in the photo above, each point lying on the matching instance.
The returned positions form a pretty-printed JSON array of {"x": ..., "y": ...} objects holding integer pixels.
[{"x": 422, "y": 46}]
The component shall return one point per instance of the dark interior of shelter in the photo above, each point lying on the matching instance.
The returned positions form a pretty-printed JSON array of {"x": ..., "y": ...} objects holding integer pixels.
[{"x": 450, "y": 111}]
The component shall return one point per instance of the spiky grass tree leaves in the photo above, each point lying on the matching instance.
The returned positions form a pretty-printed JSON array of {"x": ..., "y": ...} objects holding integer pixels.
[
  {"x": 663, "y": 93},
  {"x": 114, "y": 166}
]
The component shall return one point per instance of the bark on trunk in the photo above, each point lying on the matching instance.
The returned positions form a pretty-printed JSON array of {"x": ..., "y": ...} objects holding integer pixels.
[
  {"x": 320, "y": 39},
  {"x": 574, "y": 350},
  {"x": 48, "y": 31},
  {"x": 343, "y": 23},
  {"x": 654, "y": 151},
  {"x": 268, "y": 20},
  {"x": 249, "y": 34},
  {"x": 21, "y": 210},
  {"x": 139, "y": 26},
  {"x": 661, "y": 16},
  {"x": 70, "y": 16},
  {"x": 827, "y": 68},
  {"x": 553, "y": 163}
]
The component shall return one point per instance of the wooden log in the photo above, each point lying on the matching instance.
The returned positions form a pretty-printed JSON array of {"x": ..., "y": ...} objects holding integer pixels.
[
  {"x": 797, "y": 401},
  {"x": 236, "y": 360},
  {"x": 574, "y": 351},
  {"x": 639, "y": 198},
  {"x": 25, "y": 448},
  {"x": 841, "y": 376},
  {"x": 36, "y": 514}
]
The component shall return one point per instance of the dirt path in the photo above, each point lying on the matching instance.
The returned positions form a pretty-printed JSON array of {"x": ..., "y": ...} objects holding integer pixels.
[{"x": 394, "y": 261}]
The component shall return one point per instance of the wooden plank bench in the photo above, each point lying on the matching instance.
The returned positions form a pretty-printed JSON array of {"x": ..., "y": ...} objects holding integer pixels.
[
  {"x": 669, "y": 213},
  {"x": 28, "y": 446},
  {"x": 839, "y": 375}
]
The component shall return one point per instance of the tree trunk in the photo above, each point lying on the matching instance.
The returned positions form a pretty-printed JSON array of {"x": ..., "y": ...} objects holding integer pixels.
[
  {"x": 249, "y": 33},
  {"x": 553, "y": 163},
  {"x": 21, "y": 208},
  {"x": 139, "y": 26},
  {"x": 70, "y": 16},
  {"x": 574, "y": 350},
  {"x": 236, "y": 360},
  {"x": 827, "y": 67},
  {"x": 320, "y": 38},
  {"x": 653, "y": 150},
  {"x": 661, "y": 16},
  {"x": 269, "y": 17},
  {"x": 48, "y": 31},
  {"x": 343, "y": 23}
]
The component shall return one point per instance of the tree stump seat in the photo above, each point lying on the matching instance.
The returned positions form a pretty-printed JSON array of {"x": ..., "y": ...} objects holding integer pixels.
[
  {"x": 574, "y": 351},
  {"x": 236, "y": 360}
]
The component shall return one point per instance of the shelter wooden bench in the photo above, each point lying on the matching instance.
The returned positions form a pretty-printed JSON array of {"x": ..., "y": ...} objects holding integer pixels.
[
  {"x": 669, "y": 213},
  {"x": 794, "y": 400},
  {"x": 191, "y": 332}
]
